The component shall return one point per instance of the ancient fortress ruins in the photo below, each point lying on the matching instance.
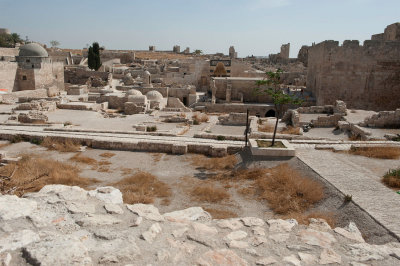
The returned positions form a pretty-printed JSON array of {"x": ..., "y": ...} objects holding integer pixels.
[{"x": 176, "y": 158}]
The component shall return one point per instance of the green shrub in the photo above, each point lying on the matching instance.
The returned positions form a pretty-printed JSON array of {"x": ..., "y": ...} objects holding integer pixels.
[
  {"x": 221, "y": 138},
  {"x": 151, "y": 128}
]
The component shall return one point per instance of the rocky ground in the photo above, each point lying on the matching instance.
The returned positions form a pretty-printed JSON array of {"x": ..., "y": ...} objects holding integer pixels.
[{"x": 63, "y": 225}]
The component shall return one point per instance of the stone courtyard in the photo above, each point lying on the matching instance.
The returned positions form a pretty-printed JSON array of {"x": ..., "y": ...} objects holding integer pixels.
[{"x": 150, "y": 158}]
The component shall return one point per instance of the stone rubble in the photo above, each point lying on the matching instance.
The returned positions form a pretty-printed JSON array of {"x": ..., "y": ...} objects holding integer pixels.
[{"x": 63, "y": 225}]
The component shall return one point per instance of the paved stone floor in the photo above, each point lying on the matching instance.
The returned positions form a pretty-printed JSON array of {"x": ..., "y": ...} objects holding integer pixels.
[{"x": 382, "y": 203}]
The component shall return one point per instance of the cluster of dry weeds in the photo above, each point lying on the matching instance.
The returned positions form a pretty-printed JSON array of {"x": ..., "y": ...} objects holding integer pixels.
[
  {"x": 199, "y": 118},
  {"x": 62, "y": 145},
  {"x": 31, "y": 173},
  {"x": 377, "y": 152},
  {"x": 100, "y": 166}
]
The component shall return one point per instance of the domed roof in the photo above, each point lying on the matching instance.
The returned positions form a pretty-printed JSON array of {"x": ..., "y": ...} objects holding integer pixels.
[
  {"x": 137, "y": 99},
  {"x": 147, "y": 73},
  {"x": 32, "y": 50},
  {"x": 133, "y": 92},
  {"x": 154, "y": 96}
]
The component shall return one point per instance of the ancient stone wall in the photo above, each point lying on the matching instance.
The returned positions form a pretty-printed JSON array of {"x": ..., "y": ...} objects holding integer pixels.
[
  {"x": 365, "y": 77},
  {"x": 80, "y": 76},
  {"x": 384, "y": 119},
  {"x": 8, "y": 71},
  {"x": 241, "y": 88}
]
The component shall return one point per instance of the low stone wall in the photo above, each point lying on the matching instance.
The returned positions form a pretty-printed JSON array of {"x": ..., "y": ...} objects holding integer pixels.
[
  {"x": 40, "y": 105},
  {"x": 383, "y": 119},
  {"x": 254, "y": 109},
  {"x": 327, "y": 121},
  {"x": 354, "y": 130},
  {"x": 338, "y": 108}
]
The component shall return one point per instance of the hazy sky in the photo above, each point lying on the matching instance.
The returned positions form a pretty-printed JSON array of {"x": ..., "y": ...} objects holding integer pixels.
[{"x": 254, "y": 27}]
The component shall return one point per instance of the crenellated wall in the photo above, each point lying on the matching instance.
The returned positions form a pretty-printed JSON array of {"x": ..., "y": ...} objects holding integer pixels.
[{"x": 365, "y": 77}]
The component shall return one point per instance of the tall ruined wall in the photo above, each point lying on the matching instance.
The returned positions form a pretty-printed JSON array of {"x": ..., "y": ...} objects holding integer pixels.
[
  {"x": 365, "y": 77},
  {"x": 239, "y": 87},
  {"x": 50, "y": 74},
  {"x": 8, "y": 71}
]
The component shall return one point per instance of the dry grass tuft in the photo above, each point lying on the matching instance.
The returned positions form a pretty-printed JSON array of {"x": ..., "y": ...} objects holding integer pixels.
[
  {"x": 287, "y": 191},
  {"x": 302, "y": 218},
  {"x": 126, "y": 171},
  {"x": 291, "y": 130},
  {"x": 376, "y": 152},
  {"x": 392, "y": 179},
  {"x": 199, "y": 118},
  {"x": 157, "y": 156},
  {"x": 31, "y": 174},
  {"x": 3, "y": 145},
  {"x": 78, "y": 158},
  {"x": 268, "y": 128},
  {"x": 62, "y": 145},
  {"x": 220, "y": 214},
  {"x": 107, "y": 155},
  {"x": 142, "y": 187},
  {"x": 209, "y": 193},
  {"x": 223, "y": 163}
]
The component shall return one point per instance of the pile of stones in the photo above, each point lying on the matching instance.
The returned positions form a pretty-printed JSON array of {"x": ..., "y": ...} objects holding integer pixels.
[{"x": 62, "y": 225}]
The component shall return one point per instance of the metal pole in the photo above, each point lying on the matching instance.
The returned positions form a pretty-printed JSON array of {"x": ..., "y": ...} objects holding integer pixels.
[{"x": 247, "y": 127}]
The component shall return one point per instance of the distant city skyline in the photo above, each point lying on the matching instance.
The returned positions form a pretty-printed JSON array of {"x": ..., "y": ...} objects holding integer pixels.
[{"x": 254, "y": 27}]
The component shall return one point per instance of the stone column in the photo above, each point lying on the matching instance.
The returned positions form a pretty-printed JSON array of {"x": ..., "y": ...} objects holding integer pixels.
[
  {"x": 228, "y": 93},
  {"x": 213, "y": 91}
]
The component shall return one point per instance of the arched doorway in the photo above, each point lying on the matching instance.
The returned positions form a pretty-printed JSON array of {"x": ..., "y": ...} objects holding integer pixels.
[{"x": 270, "y": 113}]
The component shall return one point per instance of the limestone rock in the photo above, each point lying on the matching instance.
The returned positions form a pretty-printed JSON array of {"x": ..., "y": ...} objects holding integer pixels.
[
  {"x": 5, "y": 259},
  {"x": 17, "y": 240},
  {"x": 112, "y": 208},
  {"x": 365, "y": 252},
  {"x": 319, "y": 224},
  {"x": 203, "y": 229},
  {"x": 233, "y": 224},
  {"x": 307, "y": 259},
  {"x": 148, "y": 212},
  {"x": 80, "y": 207},
  {"x": 236, "y": 235},
  {"x": 350, "y": 232},
  {"x": 190, "y": 214},
  {"x": 316, "y": 238},
  {"x": 222, "y": 257},
  {"x": 252, "y": 221},
  {"x": 13, "y": 207},
  {"x": 203, "y": 239},
  {"x": 279, "y": 238},
  {"x": 179, "y": 232},
  {"x": 281, "y": 226},
  {"x": 163, "y": 255},
  {"x": 292, "y": 260},
  {"x": 98, "y": 220},
  {"x": 266, "y": 261},
  {"x": 107, "y": 194},
  {"x": 238, "y": 244},
  {"x": 150, "y": 234},
  {"x": 258, "y": 231},
  {"x": 329, "y": 256},
  {"x": 60, "y": 250},
  {"x": 258, "y": 240},
  {"x": 65, "y": 192}
]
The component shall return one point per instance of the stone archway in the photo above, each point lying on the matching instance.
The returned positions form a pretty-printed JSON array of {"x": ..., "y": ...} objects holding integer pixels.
[{"x": 270, "y": 113}]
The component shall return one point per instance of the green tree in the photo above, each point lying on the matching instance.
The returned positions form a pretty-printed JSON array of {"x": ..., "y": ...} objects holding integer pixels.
[
  {"x": 198, "y": 52},
  {"x": 94, "y": 61},
  {"x": 54, "y": 43},
  {"x": 279, "y": 97},
  {"x": 91, "y": 60},
  {"x": 9, "y": 40}
]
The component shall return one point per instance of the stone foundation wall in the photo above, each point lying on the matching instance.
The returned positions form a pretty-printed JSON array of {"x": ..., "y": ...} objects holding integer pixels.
[
  {"x": 384, "y": 119},
  {"x": 260, "y": 110}
]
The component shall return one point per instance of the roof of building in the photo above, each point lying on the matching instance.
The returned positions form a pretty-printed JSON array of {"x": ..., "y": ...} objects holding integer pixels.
[
  {"x": 32, "y": 50},
  {"x": 154, "y": 96}
]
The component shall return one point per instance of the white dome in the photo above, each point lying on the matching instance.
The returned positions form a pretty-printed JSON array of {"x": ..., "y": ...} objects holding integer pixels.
[
  {"x": 133, "y": 92},
  {"x": 147, "y": 73},
  {"x": 137, "y": 99},
  {"x": 154, "y": 96}
]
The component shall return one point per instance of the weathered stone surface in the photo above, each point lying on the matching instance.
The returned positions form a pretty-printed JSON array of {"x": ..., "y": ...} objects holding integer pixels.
[
  {"x": 281, "y": 226},
  {"x": 236, "y": 235},
  {"x": 258, "y": 231},
  {"x": 179, "y": 232},
  {"x": 223, "y": 257},
  {"x": 279, "y": 237},
  {"x": 113, "y": 208},
  {"x": 17, "y": 240},
  {"x": 319, "y": 225},
  {"x": 98, "y": 220},
  {"x": 148, "y": 212},
  {"x": 316, "y": 238},
  {"x": 307, "y": 259},
  {"x": 80, "y": 207},
  {"x": 13, "y": 207},
  {"x": 252, "y": 221},
  {"x": 190, "y": 214},
  {"x": 5, "y": 259},
  {"x": 365, "y": 252},
  {"x": 238, "y": 244},
  {"x": 329, "y": 256},
  {"x": 266, "y": 261},
  {"x": 257, "y": 240},
  {"x": 350, "y": 232},
  {"x": 60, "y": 250},
  {"x": 107, "y": 194},
  {"x": 233, "y": 224},
  {"x": 203, "y": 229},
  {"x": 65, "y": 192},
  {"x": 292, "y": 260},
  {"x": 150, "y": 234}
]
